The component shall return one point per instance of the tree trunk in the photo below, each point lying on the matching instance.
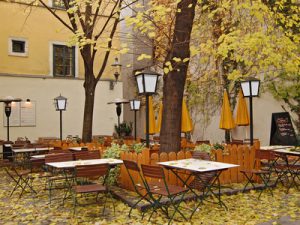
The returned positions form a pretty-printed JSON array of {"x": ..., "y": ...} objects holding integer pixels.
[
  {"x": 89, "y": 85},
  {"x": 174, "y": 81}
]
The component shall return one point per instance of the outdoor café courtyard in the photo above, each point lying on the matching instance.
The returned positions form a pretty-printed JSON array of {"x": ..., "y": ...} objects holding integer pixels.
[{"x": 25, "y": 196}]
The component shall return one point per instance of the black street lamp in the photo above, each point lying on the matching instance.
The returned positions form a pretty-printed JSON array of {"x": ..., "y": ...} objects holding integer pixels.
[
  {"x": 60, "y": 104},
  {"x": 250, "y": 89},
  {"x": 118, "y": 102},
  {"x": 147, "y": 85},
  {"x": 135, "y": 106},
  {"x": 7, "y": 108}
]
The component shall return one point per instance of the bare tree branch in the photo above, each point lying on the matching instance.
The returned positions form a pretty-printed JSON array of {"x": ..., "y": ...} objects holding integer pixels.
[{"x": 57, "y": 17}]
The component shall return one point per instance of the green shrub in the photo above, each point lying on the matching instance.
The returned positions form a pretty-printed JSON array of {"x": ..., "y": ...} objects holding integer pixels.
[
  {"x": 203, "y": 148},
  {"x": 138, "y": 147},
  {"x": 114, "y": 152}
]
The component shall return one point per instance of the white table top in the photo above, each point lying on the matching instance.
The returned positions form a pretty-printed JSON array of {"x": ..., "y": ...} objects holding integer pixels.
[
  {"x": 72, "y": 164},
  {"x": 197, "y": 165},
  {"x": 7, "y": 145},
  {"x": 274, "y": 147},
  {"x": 38, "y": 156},
  {"x": 288, "y": 152},
  {"x": 24, "y": 150},
  {"x": 76, "y": 148}
]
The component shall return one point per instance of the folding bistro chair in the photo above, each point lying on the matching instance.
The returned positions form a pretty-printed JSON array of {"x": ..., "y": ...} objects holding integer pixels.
[
  {"x": 139, "y": 187},
  {"x": 206, "y": 182},
  {"x": 288, "y": 170},
  {"x": 92, "y": 173},
  {"x": 173, "y": 193},
  {"x": 21, "y": 178},
  {"x": 265, "y": 159},
  {"x": 64, "y": 176}
]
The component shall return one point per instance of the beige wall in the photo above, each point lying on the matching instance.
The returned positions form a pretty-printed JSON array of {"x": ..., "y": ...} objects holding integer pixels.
[
  {"x": 40, "y": 29},
  {"x": 43, "y": 91}
]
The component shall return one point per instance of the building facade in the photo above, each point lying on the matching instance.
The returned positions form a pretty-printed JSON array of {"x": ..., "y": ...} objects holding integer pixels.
[{"x": 38, "y": 63}]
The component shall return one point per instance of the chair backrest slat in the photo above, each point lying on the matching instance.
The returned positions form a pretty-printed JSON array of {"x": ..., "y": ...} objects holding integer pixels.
[
  {"x": 200, "y": 155},
  {"x": 60, "y": 157},
  {"x": 87, "y": 155},
  {"x": 153, "y": 171},
  {"x": 131, "y": 165},
  {"x": 91, "y": 171}
]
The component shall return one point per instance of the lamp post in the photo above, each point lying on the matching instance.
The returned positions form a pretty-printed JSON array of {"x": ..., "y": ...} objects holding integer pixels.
[
  {"x": 60, "y": 104},
  {"x": 250, "y": 89},
  {"x": 118, "y": 102},
  {"x": 7, "y": 108},
  {"x": 147, "y": 85},
  {"x": 135, "y": 106}
]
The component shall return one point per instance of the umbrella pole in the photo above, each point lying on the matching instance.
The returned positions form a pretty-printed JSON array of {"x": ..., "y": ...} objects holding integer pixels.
[{"x": 147, "y": 121}]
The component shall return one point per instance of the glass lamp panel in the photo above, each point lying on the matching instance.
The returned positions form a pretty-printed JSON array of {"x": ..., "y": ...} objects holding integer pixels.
[
  {"x": 139, "y": 80},
  {"x": 135, "y": 104},
  {"x": 255, "y": 87},
  {"x": 61, "y": 104},
  {"x": 150, "y": 83},
  {"x": 246, "y": 88}
]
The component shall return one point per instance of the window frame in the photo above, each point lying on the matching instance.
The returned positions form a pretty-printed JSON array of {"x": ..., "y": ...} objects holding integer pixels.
[
  {"x": 53, "y": 5},
  {"x": 52, "y": 61},
  {"x": 10, "y": 47}
]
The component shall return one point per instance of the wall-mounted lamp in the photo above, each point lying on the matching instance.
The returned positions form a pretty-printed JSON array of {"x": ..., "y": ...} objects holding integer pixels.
[{"x": 117, "y": 71}]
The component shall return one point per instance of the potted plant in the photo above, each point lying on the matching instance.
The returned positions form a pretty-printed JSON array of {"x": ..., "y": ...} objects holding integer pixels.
[{"x": 124, "y": 129}]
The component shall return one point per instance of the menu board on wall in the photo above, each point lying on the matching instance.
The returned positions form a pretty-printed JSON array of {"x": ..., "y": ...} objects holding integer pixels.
[
  {"x": 27, "y": 116},
  {"x": 282, "y": 130},
  {"x": 22, "y": 114}
]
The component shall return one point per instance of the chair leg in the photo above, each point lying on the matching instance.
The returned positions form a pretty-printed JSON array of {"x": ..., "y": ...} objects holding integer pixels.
[{"x": 74, "y": 203}]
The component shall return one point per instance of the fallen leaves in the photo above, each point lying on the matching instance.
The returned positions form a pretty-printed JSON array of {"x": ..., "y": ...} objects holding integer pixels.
[{"x": 243, "y": 209}]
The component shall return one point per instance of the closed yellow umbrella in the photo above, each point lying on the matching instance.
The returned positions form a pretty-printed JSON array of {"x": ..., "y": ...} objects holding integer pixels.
[
  {"x": 159, "y": 117},
  {"x": 242, "y": 115},
  {"x": 186, "y": 122},
  {"x": 152, "y": 129},
  {"x": 226, "y": 121}
]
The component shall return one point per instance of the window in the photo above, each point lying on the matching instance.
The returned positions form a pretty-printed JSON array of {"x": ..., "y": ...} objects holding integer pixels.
[
  {"x": 58, "y": 4},
  {"x": 63, "y": 61},
  {"x": 17, "y": 47}
]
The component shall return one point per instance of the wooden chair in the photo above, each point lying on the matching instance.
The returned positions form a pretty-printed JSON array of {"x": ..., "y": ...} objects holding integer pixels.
[
  {"x": 91, "y": 173},
  {"x": 133, "y": 170},
  {"x": 173, "y": 193},
  {"x": 267, "y": 159},
  {"x": 58, "y": 175},
  {"x": 21, "y": 178},
  {"x": 84, "y": 155},
  {"x": 199, "y": 142}
]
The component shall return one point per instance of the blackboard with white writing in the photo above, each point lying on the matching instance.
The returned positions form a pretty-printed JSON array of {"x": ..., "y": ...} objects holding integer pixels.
[{"x": 282, "y": 130}]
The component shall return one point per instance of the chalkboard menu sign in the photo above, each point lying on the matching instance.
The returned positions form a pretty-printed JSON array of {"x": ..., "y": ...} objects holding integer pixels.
[{"x": 282, "y": 130}]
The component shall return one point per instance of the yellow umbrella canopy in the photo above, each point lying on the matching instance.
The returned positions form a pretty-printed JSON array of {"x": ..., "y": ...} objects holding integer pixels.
[
  {"x": 226, "y": 121},
  {"x": 158, "y": 122},
  {"x": 242, "y": 115},
  {"x": 186, "y": 122},
  {"x": 152, "y": 129}
]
